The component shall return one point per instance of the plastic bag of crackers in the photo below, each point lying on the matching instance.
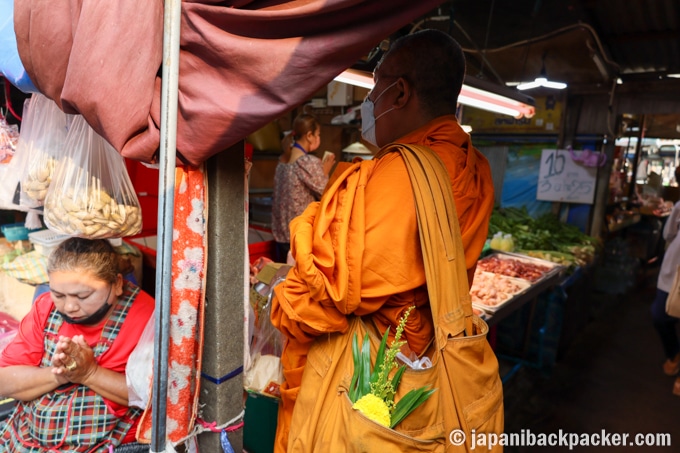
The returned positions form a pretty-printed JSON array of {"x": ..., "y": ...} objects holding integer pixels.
[
  {"x": 43, "y": 135},
  {"x": 91, "y": 194}
]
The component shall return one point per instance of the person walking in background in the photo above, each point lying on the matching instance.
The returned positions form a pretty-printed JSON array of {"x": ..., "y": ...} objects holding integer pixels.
[
  {"x": 299, "y": 179},
  {"x": 664, "y": 324}
]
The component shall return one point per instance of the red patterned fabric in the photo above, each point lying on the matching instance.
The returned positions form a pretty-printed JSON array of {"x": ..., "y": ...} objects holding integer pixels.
[{"x": 186, "y": 311}]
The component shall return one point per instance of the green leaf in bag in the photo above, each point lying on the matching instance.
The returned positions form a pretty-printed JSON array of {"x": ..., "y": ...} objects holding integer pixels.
[
  {"x": 378, "y": 384},
  {"x": 380, "y": 358},
  {"x": 365, "y": 376},
  {"x": 408, "y": 403},
  {"x": 354, "y": 386}
]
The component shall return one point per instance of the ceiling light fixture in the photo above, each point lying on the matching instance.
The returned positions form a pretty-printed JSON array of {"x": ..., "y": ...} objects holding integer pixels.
[
  {"x": 470, "y": 96},
  {"x": 356, "y": 78},
  {"x": 542, "y": 81},
  {"x": 599, "y": 62}
]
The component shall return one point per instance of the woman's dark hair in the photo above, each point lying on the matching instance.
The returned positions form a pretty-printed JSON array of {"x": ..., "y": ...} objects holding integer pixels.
[
  {"x": 305, "y": 122},
  {"x": 95, "y": 255}
]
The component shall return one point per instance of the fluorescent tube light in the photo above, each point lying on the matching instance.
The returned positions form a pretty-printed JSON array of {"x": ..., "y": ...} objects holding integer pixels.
[
  {"x": 356, "y": 78},
  {"x": 469, "y": 96}
]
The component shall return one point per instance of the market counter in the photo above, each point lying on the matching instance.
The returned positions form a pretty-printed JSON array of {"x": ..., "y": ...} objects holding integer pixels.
[
  {"x": 505, "y": 281},
  {"x": 525, "y": 327}
]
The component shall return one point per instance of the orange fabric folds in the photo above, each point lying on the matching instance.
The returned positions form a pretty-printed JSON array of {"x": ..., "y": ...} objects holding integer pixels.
[{"x": 469, "y": 392}]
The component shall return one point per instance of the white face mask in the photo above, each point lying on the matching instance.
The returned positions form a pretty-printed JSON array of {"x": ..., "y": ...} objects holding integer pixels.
[{"x": 368, "y": 118}]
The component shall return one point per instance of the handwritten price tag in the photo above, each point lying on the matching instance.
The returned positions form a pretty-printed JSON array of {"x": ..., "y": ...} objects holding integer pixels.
[{"x": 562, "y": 179}]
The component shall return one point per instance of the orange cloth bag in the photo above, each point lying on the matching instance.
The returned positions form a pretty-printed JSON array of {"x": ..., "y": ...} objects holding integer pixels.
[{"x": 469, "y": 394}]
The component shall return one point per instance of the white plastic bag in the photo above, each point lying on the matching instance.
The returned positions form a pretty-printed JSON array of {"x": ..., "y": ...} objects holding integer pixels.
[
  {"x": 11, "y": 173},
  {"x": 9, "y": 136},
  {"x": 42, "y": 138},
  {"x": 264, "y": 373},
  {"x": 139, "y": 369},
  {"x": 91, "y": 195}
]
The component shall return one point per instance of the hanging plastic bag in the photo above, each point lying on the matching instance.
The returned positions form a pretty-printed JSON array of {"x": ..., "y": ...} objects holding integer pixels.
[
  {"x": 9, "y": 136},
  {"x": 91, "y": 195},
  {"x": 139, "y": 369},
  {"x": 264, "y": 373},
  {"x": 42, "y": 139},
  {"x": 11, "y": 172}
]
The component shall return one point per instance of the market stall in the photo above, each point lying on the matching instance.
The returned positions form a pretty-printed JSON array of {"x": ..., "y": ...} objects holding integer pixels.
[
  {"x": 151, "y": 121},
  {"x": 506, "y": 281}
]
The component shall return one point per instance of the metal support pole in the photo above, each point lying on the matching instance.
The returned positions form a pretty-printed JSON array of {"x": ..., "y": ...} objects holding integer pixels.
[
  {"x": 597, "y": 224},
  {"x": 636, "y": 158},
  {"x": 166, "y": 202}
]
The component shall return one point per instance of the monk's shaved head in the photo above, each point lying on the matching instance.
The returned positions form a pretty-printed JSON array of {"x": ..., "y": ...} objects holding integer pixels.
[{"x": 433, "y": 63}]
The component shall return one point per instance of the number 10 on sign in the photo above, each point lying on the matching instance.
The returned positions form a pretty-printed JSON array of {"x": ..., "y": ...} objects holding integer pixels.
[{"x": 562, "y": 179}]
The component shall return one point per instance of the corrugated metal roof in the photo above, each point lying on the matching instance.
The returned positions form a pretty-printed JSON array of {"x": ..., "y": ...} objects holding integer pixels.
[
  {"x": 642, "y": 36},
  {"x": 588, "y": 44},
  {"x": 638, "y": 38}
]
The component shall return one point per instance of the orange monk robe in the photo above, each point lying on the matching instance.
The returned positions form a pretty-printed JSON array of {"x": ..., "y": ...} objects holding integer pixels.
[{"x": 357, "y": 251}]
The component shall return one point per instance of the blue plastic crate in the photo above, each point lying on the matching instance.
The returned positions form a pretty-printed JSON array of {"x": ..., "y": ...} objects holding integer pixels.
[{"x": 15, "y": 232}]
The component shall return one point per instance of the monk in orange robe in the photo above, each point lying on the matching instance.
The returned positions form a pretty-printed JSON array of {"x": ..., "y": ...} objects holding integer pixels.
[{"x": 357, "y": 251}]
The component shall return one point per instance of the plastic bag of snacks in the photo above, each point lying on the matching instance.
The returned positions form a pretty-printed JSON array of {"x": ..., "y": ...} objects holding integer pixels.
[
  {"x": 12, "y": 171},
  {"x": 91, "y": 194},
  {"x": 42, "y": 138},
  {"x": 9, "y": 136}
]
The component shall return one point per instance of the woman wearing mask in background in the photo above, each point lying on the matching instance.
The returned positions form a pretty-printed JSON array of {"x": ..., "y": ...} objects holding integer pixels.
[
  {"x": 299, "y": 180},
  {"x": 66, "y": 365}
]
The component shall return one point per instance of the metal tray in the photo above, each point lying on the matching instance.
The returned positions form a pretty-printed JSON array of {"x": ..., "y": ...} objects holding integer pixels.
[
  {"x": 522, "y": 286},
  {"x": 553, "y": 268}
]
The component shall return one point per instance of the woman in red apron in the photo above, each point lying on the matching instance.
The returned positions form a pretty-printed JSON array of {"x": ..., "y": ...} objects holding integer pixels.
[{"x": 66, "y": 365}]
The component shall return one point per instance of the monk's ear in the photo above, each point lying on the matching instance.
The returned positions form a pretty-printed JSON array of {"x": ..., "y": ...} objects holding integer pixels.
[{"x": 405, "y": 93}]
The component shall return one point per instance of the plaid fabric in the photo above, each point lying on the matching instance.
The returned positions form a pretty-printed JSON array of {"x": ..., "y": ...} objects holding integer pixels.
[
  {"x": 28, "y": 268},
  {"x": 72, "y": 418}
]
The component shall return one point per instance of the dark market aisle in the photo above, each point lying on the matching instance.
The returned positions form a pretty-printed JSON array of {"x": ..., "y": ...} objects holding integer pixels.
[{"x": 608, "y": 378}]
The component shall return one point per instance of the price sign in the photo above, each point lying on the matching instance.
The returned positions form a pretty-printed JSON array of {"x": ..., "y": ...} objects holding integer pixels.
[{"x": 562, "y": 179}]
